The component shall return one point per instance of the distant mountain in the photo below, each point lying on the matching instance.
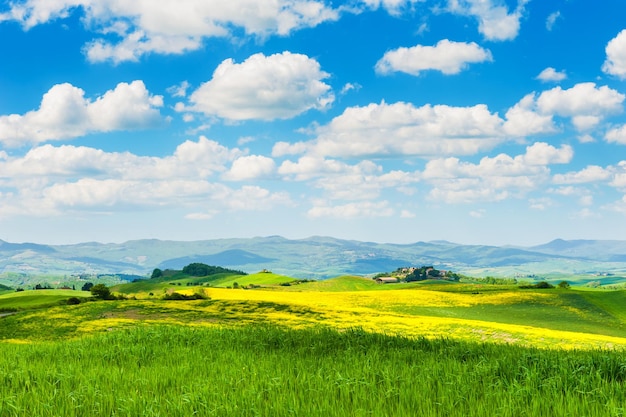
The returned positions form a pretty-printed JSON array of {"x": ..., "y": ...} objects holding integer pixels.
[
  {"x": 597, "y": 250},
  {"x": 314, "y": 257},
  {"x": 236, "y": 257}
]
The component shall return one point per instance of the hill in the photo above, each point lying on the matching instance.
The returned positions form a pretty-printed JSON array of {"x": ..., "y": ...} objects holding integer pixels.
[{"x": 314, "y": 257}]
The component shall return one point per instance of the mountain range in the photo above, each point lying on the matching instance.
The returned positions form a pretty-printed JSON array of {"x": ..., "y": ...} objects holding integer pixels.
[{"x": 315, "y": 257}]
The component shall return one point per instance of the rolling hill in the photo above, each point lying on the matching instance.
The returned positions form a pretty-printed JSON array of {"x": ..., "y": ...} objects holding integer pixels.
[{"x": 314, "y": 257}]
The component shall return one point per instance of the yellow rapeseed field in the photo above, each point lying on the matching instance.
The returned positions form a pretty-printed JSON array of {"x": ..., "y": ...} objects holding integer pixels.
[{"x": 408, "y": 311}]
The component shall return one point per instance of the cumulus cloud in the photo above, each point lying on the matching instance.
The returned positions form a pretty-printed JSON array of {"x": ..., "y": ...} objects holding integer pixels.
[
  {"x": 278, "y": 86},
  {"x": 615, "y": 63},
  {"x": 618, "y": 179},
  {"x": 447, "y": 56},
  {"x": 49, "y": 180},
  {"x": 132, "y": 29},
  {"x": 250, "y": 167},
  {"x": 616, "y": 135},
  {"x": 191, "y": 159},
  {"x": 550, "y": 74},
  {"x": 493, "y": 179},
  {"x": 585, "y": 104},
  {"x": 363, "y": 209},
  {"x": 584, "y": 99},
  {"x": 65, "y": 113},
  {"x": 343, "y": 181},
  {"x": 523, "y": 119},
  {"x": 393, "y": 7},
  {"x": 495, "y": 22},
  {"x": 383, "y": 129},
  {"x": 592, "y": 173}
]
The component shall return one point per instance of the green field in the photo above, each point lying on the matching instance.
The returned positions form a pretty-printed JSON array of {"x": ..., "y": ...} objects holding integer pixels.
[
  {"x": 25, "y": 300},
  {"x": 341, "y": 347}
]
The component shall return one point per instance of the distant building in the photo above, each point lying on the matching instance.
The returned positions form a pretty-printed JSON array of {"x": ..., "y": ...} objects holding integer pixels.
[{"x": 386, "y": 280}]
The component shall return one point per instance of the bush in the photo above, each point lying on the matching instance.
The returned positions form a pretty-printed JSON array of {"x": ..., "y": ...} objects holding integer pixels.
[
  {"x": 101, "y": 292},
  {"x": 73, "y": 301},
  {"x": 539, "y": 285},
  {"x": 176, "y": 296}
]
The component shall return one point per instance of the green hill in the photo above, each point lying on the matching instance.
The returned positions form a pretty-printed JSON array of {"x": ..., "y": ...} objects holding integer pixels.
[{"x": 31, "y": 299}]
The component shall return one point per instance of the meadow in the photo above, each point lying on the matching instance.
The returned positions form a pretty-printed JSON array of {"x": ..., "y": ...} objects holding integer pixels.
[{"x": 340, "y": 347}]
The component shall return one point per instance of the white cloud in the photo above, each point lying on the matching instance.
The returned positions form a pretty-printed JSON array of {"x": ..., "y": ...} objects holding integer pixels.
[
  {"x": 278, "y": 86},
  {"x": 131, "y": 29},
  {"x": 591, "y": 173},
  {"x": 478, "y": 214},
  {"x": 616, "y": 135},
  {"x": 403, "y": 129},
  {"x": 199, "y": 159},
  {"x": 447, "y": 56},
  {"x": 349, "y": 87},
  {"x": 179, "y": 90},
  {"x": 551, "y": 20},
  {"x": 352, "y": 210},
  {"x": 493, "y": 179},
  {"x": 52, "y": 180},
  {"x": 540, "y": 203},
  {"x": 550, "y": 74},
  {"x": 523, "y": 119},
  {"x": 618, "y": 206},
  {"x": 393, "y": 7},
  {"x": 65, "y": 113},
  {"x": 619, "y": 176},
  {"x": 584, "y": 99},
  {"x": 586, "y": 138},
  {"x": 585, "y": 103},
  {"x": 406, "y": 214},
  {"x": 615, "y": 63},
  {"x": 541, "y": 153},
  {"x": 339, "y": 180},
  {"x": 253, "y": 198},
  {"x": 250, "y": 167},
  {"x": 308, "y": 167},
  {"x": 495, "y": 22}
]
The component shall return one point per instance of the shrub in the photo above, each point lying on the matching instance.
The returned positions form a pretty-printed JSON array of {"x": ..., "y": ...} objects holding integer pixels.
[
  {"x": 539, "y": 285},
  {"x": 102, "y": 292},
  {"x": 176, "y": 296},
  {"x": 73, "y": 301}
]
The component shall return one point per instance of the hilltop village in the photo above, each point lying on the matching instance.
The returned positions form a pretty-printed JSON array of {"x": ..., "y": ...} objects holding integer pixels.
[{"x": 411, "y": 274}]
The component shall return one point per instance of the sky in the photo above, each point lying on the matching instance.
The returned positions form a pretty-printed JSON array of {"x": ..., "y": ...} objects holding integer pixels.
[{"x": 473, "y": 121}]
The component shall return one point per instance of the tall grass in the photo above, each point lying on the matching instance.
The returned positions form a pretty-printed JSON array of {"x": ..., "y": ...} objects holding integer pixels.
[{"x": 268, "y": 371}]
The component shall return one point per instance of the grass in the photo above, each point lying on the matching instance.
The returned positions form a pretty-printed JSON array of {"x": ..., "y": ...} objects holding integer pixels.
[
  {"x": 269, "y": 371},
  {"x": 549, "y": 318},
  {"x": 178, "y": 282},
  {"x": 32, "y": 299},
  {"x": 342, "y": 347}
]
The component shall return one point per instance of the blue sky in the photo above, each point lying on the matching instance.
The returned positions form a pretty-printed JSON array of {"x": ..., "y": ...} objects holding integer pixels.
[{"x": 474, "y": 121}]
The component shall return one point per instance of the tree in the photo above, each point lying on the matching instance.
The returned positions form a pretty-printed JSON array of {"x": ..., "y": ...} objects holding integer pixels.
[
  {"x": 157, "y": 273},
  {"x": 101, "y": 292},
  {"x": 564, "y": 285},
  {"x": 87, "y": 286}
]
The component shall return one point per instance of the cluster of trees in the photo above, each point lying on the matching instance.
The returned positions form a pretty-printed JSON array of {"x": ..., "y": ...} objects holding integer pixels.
[
  {"x": 546, "y": 285},
  {"x": 428, "y": 272},
  {"x": 198, "y": 269}
]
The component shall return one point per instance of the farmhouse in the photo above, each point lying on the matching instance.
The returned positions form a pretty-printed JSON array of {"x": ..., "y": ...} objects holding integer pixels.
[{"x": 386, "y": 280}]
